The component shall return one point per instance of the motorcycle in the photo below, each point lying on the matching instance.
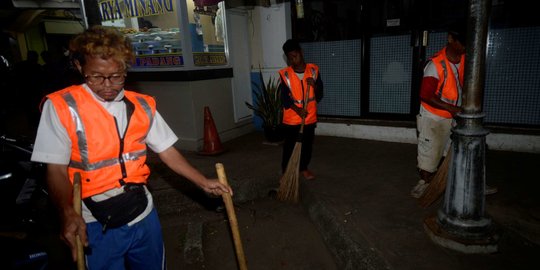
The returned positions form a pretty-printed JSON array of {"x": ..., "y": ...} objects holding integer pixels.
[{"x": 29, "y": 230}]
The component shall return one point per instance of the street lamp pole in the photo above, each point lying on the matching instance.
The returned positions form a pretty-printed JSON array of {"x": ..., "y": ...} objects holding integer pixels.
[{"x": 461, "y": 223}]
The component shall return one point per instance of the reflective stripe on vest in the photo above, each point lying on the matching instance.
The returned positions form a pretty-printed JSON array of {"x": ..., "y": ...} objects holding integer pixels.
[
  {"x": 85, "y": 164},
  {"x": 448, "y": 87},
  {"x": 103, "y": 158},
  {"x": 289, "y": 116},
  {"x": 439, "y": 92}
]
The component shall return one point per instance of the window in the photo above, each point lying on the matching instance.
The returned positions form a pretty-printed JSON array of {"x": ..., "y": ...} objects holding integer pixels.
[
  {"x": 207, "y": 29},
  {"x": 158, "y": 36}
]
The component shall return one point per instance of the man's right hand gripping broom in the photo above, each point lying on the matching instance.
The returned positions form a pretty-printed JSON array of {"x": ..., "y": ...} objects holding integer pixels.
[{"x": 300, "y": 111}]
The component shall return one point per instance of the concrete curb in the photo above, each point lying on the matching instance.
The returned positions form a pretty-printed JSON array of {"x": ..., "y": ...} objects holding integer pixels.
[
  {"x": 495, "y": 141},
  {"x": 349, "y": 254},
  {"x": 193, "y": 247}
]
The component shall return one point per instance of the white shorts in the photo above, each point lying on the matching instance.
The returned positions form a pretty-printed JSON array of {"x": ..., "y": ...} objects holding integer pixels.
[{"x": 433, "y": 139}]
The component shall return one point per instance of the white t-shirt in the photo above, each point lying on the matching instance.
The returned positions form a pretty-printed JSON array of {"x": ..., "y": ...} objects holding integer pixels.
[{"x": 53, "y": 145}]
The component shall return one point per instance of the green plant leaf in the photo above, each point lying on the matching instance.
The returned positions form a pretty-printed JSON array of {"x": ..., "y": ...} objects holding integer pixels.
[{"x": 267, "y": 101}]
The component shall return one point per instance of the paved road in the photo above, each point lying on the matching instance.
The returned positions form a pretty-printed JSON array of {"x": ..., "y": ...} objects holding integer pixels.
[{"x": 361, "y": 207}]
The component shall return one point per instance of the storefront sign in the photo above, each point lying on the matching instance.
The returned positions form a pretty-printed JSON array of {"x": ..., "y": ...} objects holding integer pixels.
[
  {"x": 168, "y": 60},
  {"x": 209, "y": 59},
  {"x": 119, "y": 9}
]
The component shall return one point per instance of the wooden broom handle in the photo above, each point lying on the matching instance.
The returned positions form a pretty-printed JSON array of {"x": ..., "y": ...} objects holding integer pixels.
[
  {"x": 232, "y": 218},
  {"x": 77, "y": 208},
  {"x": 304, "y": 106}
]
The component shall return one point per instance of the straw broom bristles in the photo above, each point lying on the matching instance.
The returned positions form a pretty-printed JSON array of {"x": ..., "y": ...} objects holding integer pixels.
[
  {"x": 289, "y": 184},
  {"x": 437, "y": 185}
]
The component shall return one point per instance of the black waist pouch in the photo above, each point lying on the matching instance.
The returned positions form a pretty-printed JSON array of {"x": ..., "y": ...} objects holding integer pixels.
[{"x": 121, "y": 209}]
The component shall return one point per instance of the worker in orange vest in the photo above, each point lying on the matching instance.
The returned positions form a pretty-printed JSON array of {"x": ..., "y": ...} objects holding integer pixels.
[
  {"x": 440, "y": 101},
  {"x": 101, "y": 131},
  {"x": 299, "y": 80}
]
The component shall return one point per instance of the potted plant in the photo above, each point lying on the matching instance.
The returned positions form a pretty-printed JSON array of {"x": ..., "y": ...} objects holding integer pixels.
[{"x": 267, "y": 106}]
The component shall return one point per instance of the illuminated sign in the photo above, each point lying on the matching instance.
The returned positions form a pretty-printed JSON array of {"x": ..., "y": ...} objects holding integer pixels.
[
  {"x": 209, "y": 58},
  {"x": 165, "y": 60},
  {"x": 119, "y": 9}
]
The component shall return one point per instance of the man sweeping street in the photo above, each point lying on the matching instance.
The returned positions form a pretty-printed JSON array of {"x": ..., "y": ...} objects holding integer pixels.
[
  {"x": 441, "y": 99},
  {"x": 101, "y": 131},
  {"x": 298, "y": 81}
]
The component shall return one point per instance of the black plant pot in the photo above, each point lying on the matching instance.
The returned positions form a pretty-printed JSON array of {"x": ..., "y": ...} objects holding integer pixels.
[{"x": 273, "y": 133}]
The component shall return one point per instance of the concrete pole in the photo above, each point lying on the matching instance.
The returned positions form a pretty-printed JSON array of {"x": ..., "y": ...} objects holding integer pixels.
[{"x": 461, "y": 223}]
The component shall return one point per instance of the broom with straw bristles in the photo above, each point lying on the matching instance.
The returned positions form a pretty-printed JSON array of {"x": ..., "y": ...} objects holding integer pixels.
[
  {"x": 438, "y": 183},
  {"x": 288, "y": 184}
]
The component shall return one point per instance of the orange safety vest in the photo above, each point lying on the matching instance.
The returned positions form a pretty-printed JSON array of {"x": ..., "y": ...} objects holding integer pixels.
[
  {"x": 103, "y": 159},
  {"x": 447, "y": 89},
  {"x": 297, "y": 87}
]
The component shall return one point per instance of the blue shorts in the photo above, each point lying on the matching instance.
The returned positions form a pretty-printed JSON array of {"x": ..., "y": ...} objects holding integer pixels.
[{"x": 135, "y": 247}]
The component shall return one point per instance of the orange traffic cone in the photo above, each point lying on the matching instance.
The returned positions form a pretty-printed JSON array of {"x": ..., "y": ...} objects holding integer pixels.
[{"x": 212, "y": 143}]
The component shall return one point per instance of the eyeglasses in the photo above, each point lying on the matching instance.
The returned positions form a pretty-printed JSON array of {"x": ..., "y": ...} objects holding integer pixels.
[{"x": 116, "y": 79}]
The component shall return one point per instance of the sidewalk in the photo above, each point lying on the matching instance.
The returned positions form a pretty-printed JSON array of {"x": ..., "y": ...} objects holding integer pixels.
[{"x": 361, "y": 205}]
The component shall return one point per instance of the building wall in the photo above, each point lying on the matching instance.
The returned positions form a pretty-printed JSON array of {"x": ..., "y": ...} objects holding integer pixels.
[
  {"x": 267, "y": 49},
  {"x": 271, "y": 28},
  {"x": 182, "y": 103},
  {"x": 182, "y": 106}
]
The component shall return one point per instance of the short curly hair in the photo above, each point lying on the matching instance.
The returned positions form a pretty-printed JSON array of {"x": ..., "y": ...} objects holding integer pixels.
[
  {"x": 291, "y": 45},
  {"x": 104, "y": 42}
]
